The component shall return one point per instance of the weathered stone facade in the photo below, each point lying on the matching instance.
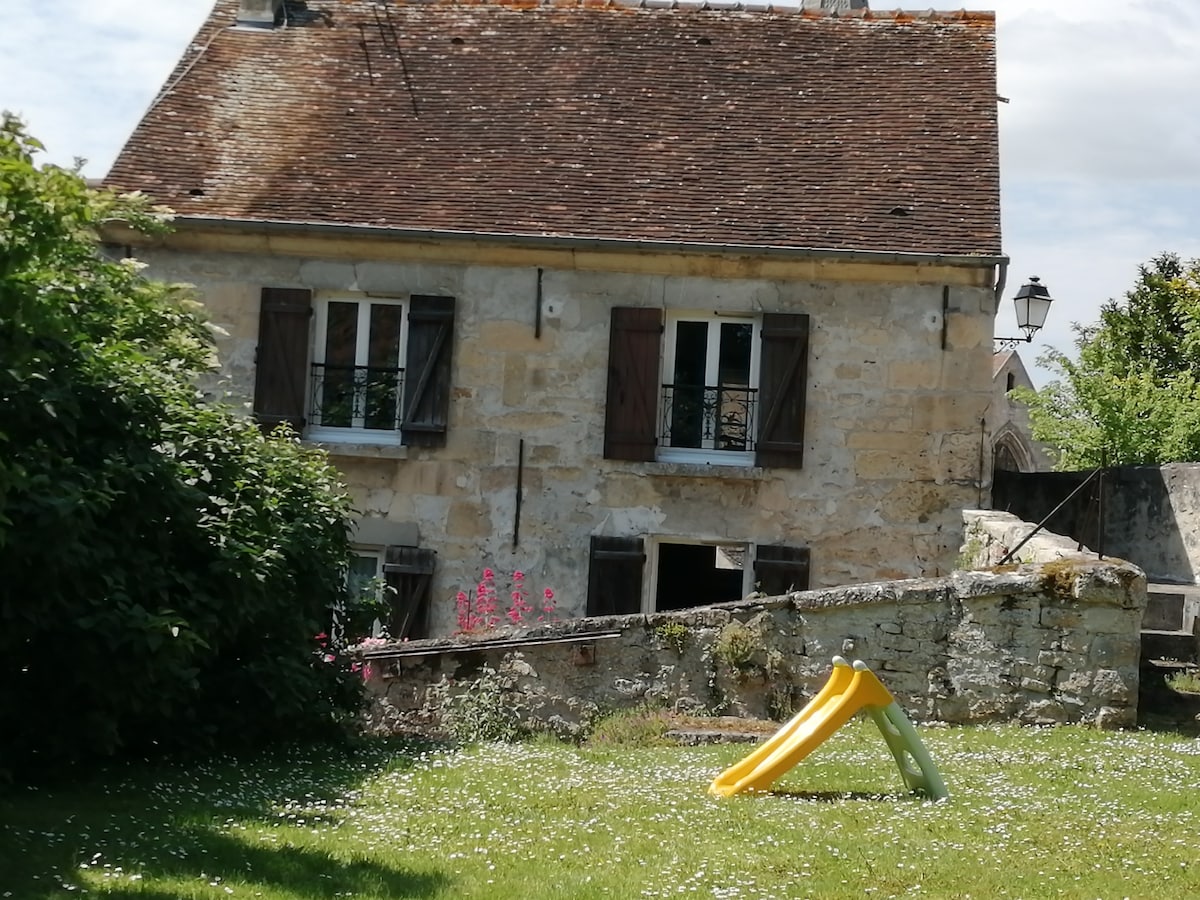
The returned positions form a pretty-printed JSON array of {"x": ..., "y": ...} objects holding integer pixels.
[
  {"x": 898, "y": 378},
  {"x": 1055, "y": 640}
]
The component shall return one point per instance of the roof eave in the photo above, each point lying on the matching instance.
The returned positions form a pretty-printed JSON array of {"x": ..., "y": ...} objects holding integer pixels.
[{"x": 571, "y": 242}]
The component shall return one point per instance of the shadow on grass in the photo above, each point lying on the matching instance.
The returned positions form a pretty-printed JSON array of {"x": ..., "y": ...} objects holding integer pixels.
[
  {"x": 136, "y": 814},
  {"x": 839, "y": 796},
  {"x": 297, "y": 872}
]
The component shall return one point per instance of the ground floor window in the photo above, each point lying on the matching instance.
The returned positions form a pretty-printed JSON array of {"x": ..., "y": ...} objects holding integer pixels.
[
  {"x": 630, "y": 575},
  {"x": 691, "y": 575}
]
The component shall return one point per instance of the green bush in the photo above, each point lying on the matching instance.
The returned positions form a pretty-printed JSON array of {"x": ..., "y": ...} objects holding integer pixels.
[{"x": 165, "y": 565}]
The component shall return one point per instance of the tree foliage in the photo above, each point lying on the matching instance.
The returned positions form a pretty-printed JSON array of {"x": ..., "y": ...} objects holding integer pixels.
[
  {"x": 165, "y": 566},
  {"x": 1132, "y": 395}
]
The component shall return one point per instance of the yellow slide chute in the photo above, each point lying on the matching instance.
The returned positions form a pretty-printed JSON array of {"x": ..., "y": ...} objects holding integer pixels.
[{"x": 849, "y": 689}]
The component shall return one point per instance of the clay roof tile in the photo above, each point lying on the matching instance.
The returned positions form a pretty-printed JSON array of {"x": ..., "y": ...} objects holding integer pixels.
[{"x": 588, "y": 118}]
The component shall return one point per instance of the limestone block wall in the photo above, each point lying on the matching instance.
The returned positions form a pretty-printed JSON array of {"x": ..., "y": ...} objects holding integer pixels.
[
  {"x": 898, "y": 378},
  {"x": 1151, "y": 513},
  {"x": 1051, "y": 642}
]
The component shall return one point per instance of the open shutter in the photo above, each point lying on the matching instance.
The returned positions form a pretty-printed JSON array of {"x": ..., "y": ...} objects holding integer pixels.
[
  {"x": 281, "y": 362},
  {"x": 631, "y": 407},
  {"x": 780, "y": 569},
  {"x": 408, "y": 571},
  {"x": 427, "y": 371},
  {"x": 781, "y": 389},
  {"x": 615, "y": 576}
]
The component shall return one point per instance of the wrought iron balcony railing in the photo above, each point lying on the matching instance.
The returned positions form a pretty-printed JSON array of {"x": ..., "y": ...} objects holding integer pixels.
[
  {"x": 356, "y": 397},
  {"x": 708, "y": 418}
]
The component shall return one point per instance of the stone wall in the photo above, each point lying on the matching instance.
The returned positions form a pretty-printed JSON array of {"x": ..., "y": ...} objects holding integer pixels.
[
  {"x": 1052, "y": 641},
  {"x": 898, "y": 379},
  {"x": 1151, "y": 513}
]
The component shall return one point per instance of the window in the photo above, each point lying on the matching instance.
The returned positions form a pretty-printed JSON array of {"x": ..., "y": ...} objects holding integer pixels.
[
  {"x": 363, "y": 589},
  {"x": 379, "y": 370},
  {"x": 687, "y": 573},
  {"x": 699, "y": 574},
  {"x": 365, "y": 567},
  {"x": 708, "y": 401},
  {"x": 706, "y": 388},
  {"x": 357, "y": 379}
]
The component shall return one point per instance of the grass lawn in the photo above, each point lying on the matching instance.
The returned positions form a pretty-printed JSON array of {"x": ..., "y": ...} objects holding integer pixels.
[{"x": 1033, "y": 813}]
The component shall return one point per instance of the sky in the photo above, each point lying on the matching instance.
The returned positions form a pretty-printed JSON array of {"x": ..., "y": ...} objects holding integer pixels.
[{"x": 1099, "y": 139}]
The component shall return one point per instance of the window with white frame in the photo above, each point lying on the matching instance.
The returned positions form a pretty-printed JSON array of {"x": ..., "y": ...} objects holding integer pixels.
[
  {"x": 710, "y": 385},
  {"x": 706, "y": 387},
  {"x": 348, "y": 367},
  {"x": 357, "y": 383}
]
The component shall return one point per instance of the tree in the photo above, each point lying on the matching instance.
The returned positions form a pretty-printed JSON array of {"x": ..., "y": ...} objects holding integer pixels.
[
  {"x": 164, "y": 565},
  {"x": 1132, "y": 397}
]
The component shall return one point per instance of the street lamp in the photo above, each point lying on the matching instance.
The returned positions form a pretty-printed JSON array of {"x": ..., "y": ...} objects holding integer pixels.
[{"x": 1033, "y": 303}]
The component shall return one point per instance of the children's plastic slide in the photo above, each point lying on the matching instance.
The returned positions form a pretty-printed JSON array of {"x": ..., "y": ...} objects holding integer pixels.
[{"x": 849, "y": 689}]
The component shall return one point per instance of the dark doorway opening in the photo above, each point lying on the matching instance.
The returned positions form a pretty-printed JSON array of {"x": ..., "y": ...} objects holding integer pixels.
[{"x": 698, "y": 574}]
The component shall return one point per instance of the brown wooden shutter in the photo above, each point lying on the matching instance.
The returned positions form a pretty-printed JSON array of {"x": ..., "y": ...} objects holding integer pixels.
[
  {"x": 780, "y": 569},
  {"x": 281, "y": 361},
  {"x": 408, "y": 571},
  {"x": 615, "y": 576},
  {"x": 781, "y": 390},
  {"x": 427, "y": 371},
  {"x": 631, "y": 407}
]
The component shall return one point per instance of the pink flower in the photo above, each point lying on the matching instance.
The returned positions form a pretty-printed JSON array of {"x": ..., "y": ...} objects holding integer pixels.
[
  {"x": 518, "y": 575},
  {"x": 548, "y": 594},
  {"x": 488, "y": 574}
]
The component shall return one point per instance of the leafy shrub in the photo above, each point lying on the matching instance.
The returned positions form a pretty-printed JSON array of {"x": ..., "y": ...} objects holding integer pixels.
[
  {"x": 673, "y": 635},
  {"x": 736, "y": 645},
  {"x": 165, "y": 564},
  {"x": 642, "y": 727},
  {"x": 485, "y": 710}
]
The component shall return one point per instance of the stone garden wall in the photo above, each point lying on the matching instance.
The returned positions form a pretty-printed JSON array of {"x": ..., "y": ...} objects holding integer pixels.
[{"x": 1052, "y": 640}]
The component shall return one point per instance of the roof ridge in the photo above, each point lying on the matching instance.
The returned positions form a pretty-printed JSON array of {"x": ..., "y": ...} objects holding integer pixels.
[{"x": 900, "y": 16}]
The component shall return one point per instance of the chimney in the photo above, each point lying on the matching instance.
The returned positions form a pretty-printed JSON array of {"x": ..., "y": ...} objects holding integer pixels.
[
  {"x": 258, "y": 13},
  {"x": 833, "y": 5}
]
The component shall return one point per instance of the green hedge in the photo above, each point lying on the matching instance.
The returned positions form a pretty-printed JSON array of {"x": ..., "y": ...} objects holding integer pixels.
[{"x": 164, "y": 566}]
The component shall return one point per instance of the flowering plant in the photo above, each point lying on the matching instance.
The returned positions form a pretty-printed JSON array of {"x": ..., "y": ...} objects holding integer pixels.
[
  {"x": 325, "y": 654},
  {"x": 481, "y": 610}
]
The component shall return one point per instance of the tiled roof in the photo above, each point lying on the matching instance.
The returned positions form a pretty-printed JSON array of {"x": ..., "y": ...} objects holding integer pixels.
[{"x": 718, "y": 123}]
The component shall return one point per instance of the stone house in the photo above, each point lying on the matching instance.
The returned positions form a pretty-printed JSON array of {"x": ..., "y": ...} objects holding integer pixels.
[{"x": 659, "y": 303}]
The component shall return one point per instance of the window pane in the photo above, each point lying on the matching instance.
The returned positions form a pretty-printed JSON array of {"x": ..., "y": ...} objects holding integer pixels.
[
  {"x": 363, "y": 569},
  {"x": 337, "y": 387},
  {"x": 341, "y": 335},
  {"x": 691, "y": 350},
  {"x": 382, "y": 378},
  {"x": 734, "y": 399},
  {"x": 687, "y": 401},
  {"x": 384, "y": 347},
  {"x": 735, "y": 354}
]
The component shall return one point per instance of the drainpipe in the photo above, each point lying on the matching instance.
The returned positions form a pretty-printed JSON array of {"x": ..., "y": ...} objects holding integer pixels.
[{"x": 1001, "y": 280}]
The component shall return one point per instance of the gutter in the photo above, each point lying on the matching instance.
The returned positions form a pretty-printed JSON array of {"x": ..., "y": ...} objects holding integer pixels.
[{"x": 556, "y": 242}]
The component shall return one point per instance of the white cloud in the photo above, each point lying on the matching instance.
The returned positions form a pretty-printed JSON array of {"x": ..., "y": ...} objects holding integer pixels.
[
  {"x": 81, "y": 73},
  {"x": 1101, "y": 89}
]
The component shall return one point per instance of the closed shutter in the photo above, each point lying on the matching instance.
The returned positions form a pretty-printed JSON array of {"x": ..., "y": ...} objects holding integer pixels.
[
  {"x": 281, "y": 361},
  {"x": 615, "y": 576},
  {"x": 631, "y": 406},
  {"x": 408, "y": 571},
  {"x": 781, "y": 390},
  {"x": 427, "y": 371},
  {"x": 779, "y": 569}
]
